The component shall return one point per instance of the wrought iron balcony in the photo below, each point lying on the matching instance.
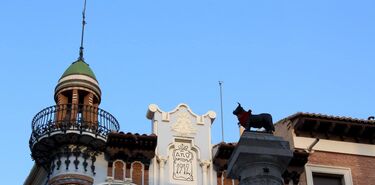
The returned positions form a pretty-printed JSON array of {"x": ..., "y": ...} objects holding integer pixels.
[{"x": 72, "y": 118}]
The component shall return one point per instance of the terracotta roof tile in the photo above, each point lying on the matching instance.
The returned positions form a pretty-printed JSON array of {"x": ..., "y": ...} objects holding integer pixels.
[{"x": 328, "y": 117}]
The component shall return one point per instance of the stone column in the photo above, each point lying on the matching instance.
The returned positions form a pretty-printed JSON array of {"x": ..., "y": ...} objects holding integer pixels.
[
  {"x": 259, "y": 159},
  {"x": 205, "y": 164},
  {"x": 162, "y": 161}
]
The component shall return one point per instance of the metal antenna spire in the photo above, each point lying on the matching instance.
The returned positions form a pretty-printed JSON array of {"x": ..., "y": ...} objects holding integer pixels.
[
  {"x": 83, "y": 31},
  {"x": 221, "y": 111}
]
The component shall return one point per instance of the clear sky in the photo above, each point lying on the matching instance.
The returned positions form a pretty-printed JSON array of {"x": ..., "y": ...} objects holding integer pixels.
[{"x": 274, "y": 56}]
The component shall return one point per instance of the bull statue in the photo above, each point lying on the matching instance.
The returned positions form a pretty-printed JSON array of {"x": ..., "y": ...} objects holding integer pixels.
[{"x": 248, "y": 120}]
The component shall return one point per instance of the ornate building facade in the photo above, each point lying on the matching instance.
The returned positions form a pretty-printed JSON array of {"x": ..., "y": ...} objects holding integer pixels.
[{"x": 76, "y": 142}]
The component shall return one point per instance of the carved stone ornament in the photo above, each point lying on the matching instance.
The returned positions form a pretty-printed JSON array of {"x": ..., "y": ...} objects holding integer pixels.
[
  {"x": 183, "y": 163},
  {"x": 183, "y": 125}
]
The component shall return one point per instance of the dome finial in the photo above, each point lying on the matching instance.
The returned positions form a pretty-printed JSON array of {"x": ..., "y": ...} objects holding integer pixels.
[{"x": 83, "y": 31}]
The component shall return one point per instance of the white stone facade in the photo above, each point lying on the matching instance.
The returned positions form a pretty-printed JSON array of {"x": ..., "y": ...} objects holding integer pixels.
[{"x": 184, "y": 151}]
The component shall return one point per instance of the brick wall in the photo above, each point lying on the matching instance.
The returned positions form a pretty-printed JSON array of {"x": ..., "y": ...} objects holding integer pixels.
[{"x": 362, "y": 167}]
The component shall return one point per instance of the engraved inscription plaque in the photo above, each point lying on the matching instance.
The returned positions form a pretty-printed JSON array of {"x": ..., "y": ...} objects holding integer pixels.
[{"x": 183, "y": 163}]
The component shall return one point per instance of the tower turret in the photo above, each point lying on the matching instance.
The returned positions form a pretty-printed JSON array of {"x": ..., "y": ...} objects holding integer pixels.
[
  {"x": 69, "y": 137},
  {"x": 78, "y": 95},
  {"x": 76, "y": 142}
]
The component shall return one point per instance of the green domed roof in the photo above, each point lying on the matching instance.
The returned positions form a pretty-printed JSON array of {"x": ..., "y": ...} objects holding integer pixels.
[{"x": 79, "y": 67}]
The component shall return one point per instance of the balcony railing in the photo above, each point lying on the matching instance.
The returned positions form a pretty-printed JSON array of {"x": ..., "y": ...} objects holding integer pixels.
[{"x": 72, "y": 117}]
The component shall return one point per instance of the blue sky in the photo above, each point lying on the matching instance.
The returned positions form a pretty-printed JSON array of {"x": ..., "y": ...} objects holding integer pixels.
[{"x": 274, "y": 56}]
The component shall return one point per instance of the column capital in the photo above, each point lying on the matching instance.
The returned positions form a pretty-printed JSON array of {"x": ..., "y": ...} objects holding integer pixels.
[
  {"x": 205, "y": 163},
  {"x": 161, "y": 160}
]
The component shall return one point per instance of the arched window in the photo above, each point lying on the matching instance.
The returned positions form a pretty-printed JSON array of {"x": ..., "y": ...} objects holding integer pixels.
[
  {"x": 137, "y": 173},
  {"x": 119, "y": 170}
]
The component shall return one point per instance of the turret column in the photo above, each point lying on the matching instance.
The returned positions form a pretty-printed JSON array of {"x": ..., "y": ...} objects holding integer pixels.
[{"x": 259, "y": 159}]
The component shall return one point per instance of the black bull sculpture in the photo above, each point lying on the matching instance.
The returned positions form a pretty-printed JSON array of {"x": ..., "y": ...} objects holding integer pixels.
[{"x": 248, "y": 120}]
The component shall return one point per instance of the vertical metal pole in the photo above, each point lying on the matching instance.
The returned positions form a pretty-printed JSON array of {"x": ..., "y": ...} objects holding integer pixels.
[
  {"x": 221, "y": 109},
  {"x": 83, "y": 30}
]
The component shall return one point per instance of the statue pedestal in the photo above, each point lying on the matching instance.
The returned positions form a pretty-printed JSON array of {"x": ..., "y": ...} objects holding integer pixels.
[{"x": 259, "y": 159}]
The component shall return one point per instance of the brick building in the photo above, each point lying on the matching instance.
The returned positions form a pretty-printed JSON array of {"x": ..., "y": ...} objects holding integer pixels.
[
  {"x": 328, "y": 150},
  {"x": 337, "y": 150}
]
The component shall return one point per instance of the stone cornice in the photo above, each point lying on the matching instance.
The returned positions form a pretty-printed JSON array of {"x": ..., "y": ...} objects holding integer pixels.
[{"x": 153, "y": 108}]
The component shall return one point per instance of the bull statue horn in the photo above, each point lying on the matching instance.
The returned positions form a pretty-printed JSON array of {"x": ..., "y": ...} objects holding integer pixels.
[{"x": 239, "y": 104}]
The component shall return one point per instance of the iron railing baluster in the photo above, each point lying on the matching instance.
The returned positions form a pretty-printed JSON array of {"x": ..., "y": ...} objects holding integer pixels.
[{"x": 63, "y": 118}]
